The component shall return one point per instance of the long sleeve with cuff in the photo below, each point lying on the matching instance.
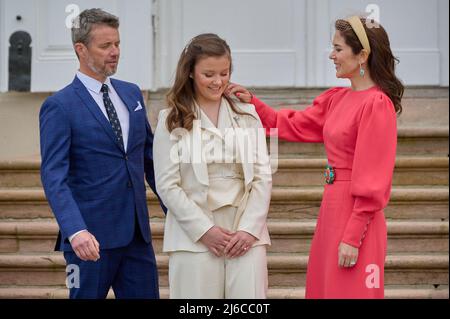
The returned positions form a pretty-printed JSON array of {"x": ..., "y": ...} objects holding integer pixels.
[{"x": 373, "y": 166}]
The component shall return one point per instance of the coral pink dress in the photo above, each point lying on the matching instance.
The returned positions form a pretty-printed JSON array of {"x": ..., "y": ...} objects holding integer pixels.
[{"x": 359, "y": 130}]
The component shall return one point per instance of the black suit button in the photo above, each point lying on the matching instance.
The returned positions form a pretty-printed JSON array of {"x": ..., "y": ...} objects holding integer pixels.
[
  {"x": 129, "y": 185},
  {"x": 126, "y": 158}
]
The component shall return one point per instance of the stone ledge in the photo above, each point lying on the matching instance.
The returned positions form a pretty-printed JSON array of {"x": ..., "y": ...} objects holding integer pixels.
[
  {"x": 281, "y": 262},
  {"x": 49, "y": 229},
  {"x": 429, "y": 194},
  {"x": 59, "y": 292},
  {"x": 401, "y": 162},
  {"x": 308, "y": 94}
]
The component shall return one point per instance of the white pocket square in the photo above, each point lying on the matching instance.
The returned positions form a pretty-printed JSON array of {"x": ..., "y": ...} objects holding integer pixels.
[{"x": 138, "y": 107}]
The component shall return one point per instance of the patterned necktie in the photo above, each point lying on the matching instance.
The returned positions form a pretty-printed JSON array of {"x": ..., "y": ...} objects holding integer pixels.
[{"x": 112, "y": 115}]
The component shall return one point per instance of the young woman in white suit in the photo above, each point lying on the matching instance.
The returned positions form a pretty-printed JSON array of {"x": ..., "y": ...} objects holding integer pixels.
[{"x": 213, "y": 173}]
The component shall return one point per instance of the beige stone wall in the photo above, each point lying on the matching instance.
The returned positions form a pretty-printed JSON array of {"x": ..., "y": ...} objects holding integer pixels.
[
  {"x": 19, "y": 124},
  {"x": 19, "y": 113}
]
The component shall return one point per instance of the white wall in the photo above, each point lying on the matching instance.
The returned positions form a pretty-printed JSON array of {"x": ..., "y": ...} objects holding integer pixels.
[
  {"x": 287, "y": 42},
  {"x": 443, "y": 27},
  {"x": 275, "y": 43},
  {"x": 54, "y": 62},
  {"x": 3, "y": 49},
  {"x": 266, "y": 52}
]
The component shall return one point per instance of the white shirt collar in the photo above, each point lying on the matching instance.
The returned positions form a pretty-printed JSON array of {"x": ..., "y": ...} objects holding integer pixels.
[{"x": 91, "y": 83}]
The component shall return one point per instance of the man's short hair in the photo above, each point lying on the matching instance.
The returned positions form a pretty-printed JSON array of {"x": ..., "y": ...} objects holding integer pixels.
[{"x": 83, "y": 23}]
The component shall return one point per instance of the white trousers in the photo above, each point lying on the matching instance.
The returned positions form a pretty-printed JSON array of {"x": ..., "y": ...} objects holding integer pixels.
[
  {"x": 205, "y": 276},
  {"x": 194, "y": 275}
]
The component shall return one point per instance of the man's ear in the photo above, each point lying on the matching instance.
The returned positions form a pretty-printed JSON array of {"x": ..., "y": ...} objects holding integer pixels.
[{"x": 80, "y": 49}]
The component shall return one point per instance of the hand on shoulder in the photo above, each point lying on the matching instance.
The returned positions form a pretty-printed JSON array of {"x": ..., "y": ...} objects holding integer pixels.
[{"x": 244, "y": 95}]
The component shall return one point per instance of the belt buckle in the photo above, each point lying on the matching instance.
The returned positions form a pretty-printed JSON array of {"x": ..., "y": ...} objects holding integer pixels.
[{"x": 330, "y": 174}]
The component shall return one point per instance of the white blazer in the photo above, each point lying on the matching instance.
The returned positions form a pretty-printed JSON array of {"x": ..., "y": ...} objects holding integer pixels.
[{"x": 182, "y": 181}]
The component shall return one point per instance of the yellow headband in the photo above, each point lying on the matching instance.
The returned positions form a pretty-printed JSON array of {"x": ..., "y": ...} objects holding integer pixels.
[{"x": 358, "y": 27}]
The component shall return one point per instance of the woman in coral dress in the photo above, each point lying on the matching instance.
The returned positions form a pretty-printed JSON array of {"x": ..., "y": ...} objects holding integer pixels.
[{"x": 358, "y": 127}]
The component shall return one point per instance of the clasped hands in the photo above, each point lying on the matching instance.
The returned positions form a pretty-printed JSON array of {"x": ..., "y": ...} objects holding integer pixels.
[{"x": 222, "y": 242}]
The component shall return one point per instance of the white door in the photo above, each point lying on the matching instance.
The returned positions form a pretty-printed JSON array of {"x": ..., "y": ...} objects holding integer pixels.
[
  {"x": 287, "y": 42},
  {"x": 418, "y": 32},
  {"x": 267, "y": 37},
  {"x": 54, "y": 62}
]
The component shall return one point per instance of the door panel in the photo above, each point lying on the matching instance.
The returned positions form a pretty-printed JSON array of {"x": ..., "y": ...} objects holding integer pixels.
[
  {"x": 54, "y": 62},
  {"x": 266, "y": 37},
  {"x": 287, "y": 43}
]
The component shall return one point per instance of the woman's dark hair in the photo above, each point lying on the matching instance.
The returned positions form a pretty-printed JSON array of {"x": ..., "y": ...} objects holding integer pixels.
[{"x": 381, "y": 62}]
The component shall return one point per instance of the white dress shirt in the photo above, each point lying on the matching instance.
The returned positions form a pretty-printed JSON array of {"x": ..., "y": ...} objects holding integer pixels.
[{"x": 94, "y": 88}]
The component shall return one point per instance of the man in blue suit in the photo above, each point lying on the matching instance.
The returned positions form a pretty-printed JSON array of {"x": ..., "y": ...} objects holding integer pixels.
[{"x": 96, "y": 148}]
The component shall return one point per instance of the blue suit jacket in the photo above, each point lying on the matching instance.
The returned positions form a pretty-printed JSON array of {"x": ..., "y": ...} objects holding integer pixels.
[{"x": 89, "y": 181}]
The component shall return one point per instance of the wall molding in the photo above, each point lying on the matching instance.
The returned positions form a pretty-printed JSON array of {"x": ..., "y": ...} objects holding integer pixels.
[{"x": 4, "y": 49}]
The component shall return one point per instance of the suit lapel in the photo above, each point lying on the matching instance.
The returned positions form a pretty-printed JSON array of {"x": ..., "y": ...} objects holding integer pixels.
[
  {"x": 92, "y": 106},
  {"x": 206, "y": 123},
  {"x": 243, "y": 143},
  {"x": 198, "y": 164}
]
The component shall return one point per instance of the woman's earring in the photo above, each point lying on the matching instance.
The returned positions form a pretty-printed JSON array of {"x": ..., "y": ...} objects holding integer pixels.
[{"x": 362, "y": 72}]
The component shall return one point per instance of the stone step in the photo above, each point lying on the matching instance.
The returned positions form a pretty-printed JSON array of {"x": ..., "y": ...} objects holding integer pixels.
[
  {"x": 423, "y": 203},
  {"x": 423, "y": 107},
  {"x": 414, "y": 98},
  {"x": 33, "y": 236},
  {"x": 287, "y": 270},
  {"x": 391, "y": 292},
  {"x": 289, "y": 172},
  {"x": 412, "y": 141},
  {"x": 409, "y": 171}
]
